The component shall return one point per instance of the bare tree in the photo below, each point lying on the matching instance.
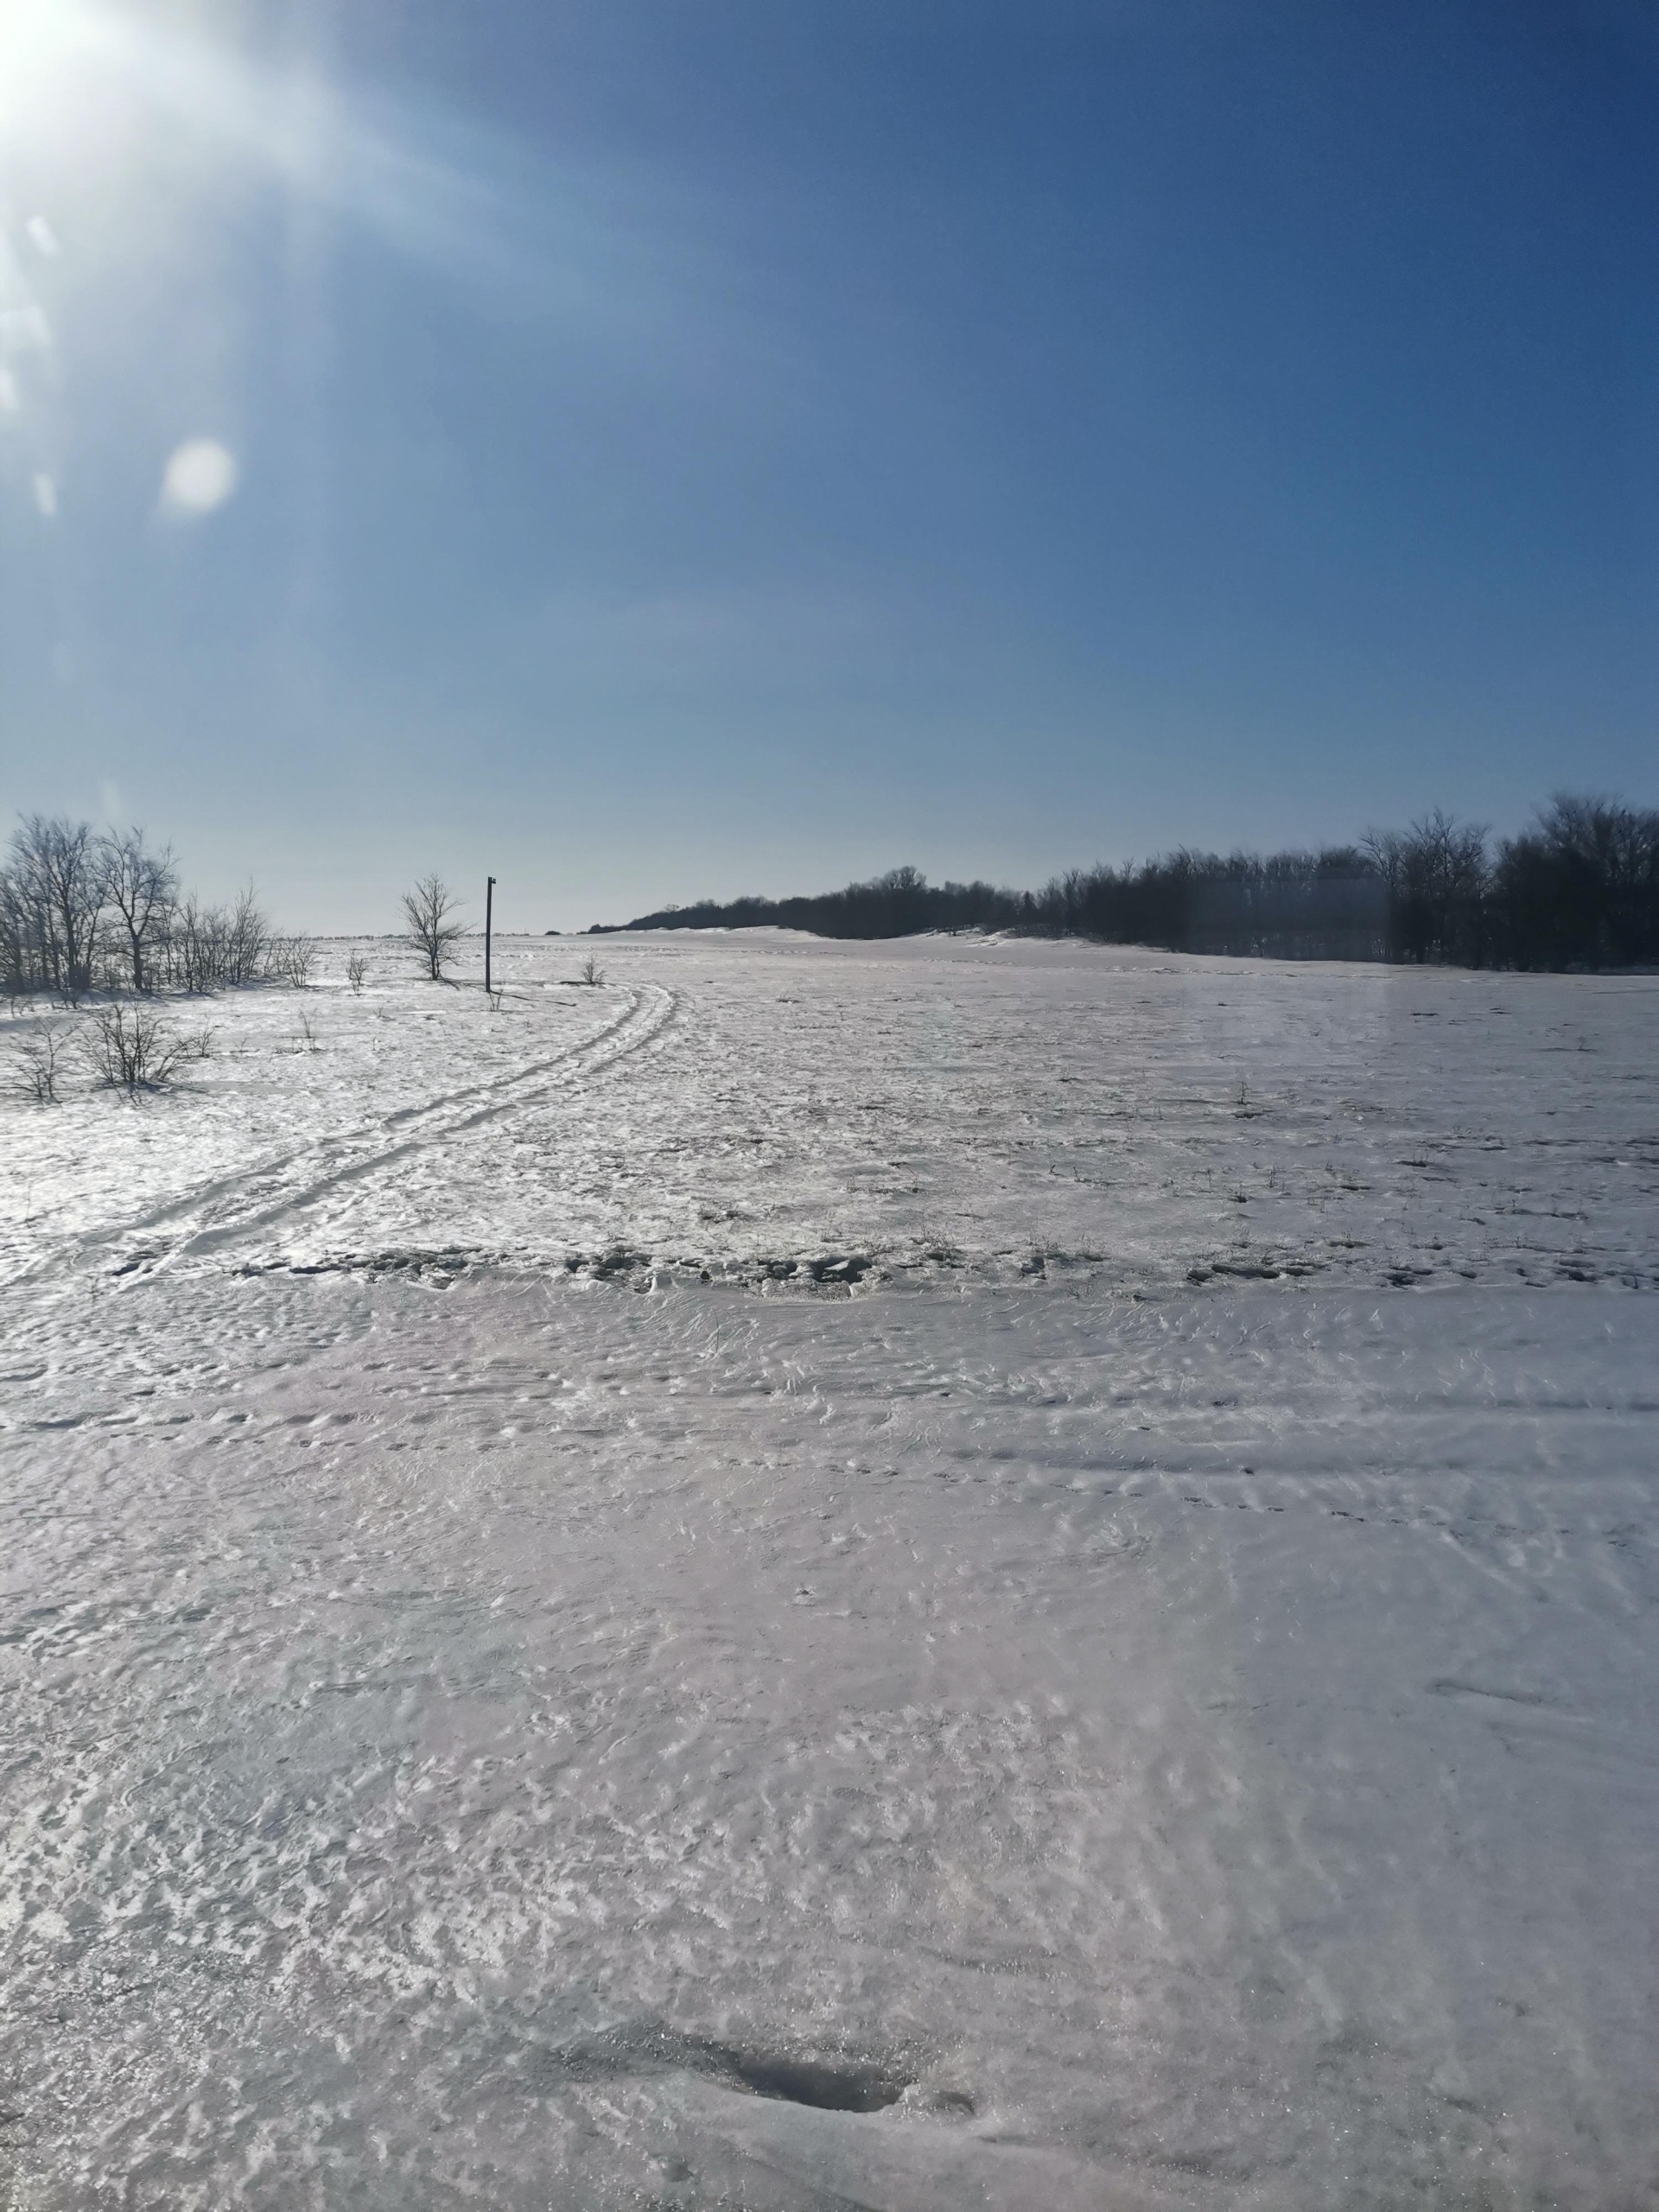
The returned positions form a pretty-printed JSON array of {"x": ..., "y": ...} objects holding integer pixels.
[
  {"x": 18, "y": 970},
  {"x": 57, "y": 877},
  {"x": 357, "y": 973},
  {"x": 1436, "y": 874},
  {"x": 429, "y": 923},
  {"x": 1580, "y": 887},
  {"x": 144, "y": 888}
]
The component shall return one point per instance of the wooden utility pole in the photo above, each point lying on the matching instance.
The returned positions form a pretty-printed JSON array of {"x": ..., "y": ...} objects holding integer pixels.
[{"x": 489, "y": 916}]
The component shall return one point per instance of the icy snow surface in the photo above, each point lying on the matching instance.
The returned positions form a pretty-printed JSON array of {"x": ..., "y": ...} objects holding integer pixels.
[{"x": 925, "y": 1575}]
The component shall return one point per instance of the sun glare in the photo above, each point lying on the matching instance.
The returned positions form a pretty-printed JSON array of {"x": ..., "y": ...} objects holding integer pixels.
[
  {"x": 40, "y": 40},
  {"x": 200, "y": 475}
]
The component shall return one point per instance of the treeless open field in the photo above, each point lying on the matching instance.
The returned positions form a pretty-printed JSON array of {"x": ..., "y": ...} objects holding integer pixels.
[{"x": 920, "y": 1574}]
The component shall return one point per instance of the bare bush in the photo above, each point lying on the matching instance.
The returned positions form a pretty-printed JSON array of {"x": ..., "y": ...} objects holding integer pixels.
[
  {"x": 247, "y": 938},
  {"x": 357, "y": 974},
  {"x": 592, "y": 974},
  {"x": 197, "y": 964},
  {"x": 132, "y": 1049},
  {"x": 220, "y": 948},
  {"x": 429, "y": 922},
  {"x": 291, "y": 960},
  {"x": 36, "y": 1058}
]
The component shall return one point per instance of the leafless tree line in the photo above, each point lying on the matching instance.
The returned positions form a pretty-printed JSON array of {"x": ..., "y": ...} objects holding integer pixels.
[
  {"x": 1579, "y": 888},
  {"x": 82, "y": 911}
]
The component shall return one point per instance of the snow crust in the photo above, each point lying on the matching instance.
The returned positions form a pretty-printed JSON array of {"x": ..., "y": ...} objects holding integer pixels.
[{"x": 1086, "y": 1639}]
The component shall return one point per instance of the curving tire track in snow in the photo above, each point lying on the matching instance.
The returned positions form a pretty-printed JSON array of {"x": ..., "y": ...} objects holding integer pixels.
[
  {"x": 225, "y": 1185},
  {"x": 648, "y": 1013},
  {"x": 217, "y": 1211}
]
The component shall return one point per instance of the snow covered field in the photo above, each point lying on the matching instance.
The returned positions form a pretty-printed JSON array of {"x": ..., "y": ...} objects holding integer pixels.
[
  {"x": 740, "y": 1103},
  {"x": 913, "y": 1575}
]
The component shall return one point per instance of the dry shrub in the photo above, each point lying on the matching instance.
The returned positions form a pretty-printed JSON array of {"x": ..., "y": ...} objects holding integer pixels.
[{"x": 131, "y": 1049}]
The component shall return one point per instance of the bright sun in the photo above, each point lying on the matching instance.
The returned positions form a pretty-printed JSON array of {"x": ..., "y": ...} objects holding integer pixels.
[{"x": 42, "y": 43}]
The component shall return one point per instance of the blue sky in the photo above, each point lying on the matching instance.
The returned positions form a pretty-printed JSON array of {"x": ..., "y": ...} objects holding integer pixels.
[{"x": 645, "y": 450}]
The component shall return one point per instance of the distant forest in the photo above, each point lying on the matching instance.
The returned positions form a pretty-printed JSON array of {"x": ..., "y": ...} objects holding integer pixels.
[{"x": 1579, "y": 889}]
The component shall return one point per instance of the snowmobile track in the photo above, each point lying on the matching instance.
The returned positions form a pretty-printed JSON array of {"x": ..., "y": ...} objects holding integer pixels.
[{"x": 360, "y": 1152}]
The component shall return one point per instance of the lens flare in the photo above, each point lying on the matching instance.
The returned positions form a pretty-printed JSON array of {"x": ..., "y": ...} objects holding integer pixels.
[{"x": 200, "y": 475}]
